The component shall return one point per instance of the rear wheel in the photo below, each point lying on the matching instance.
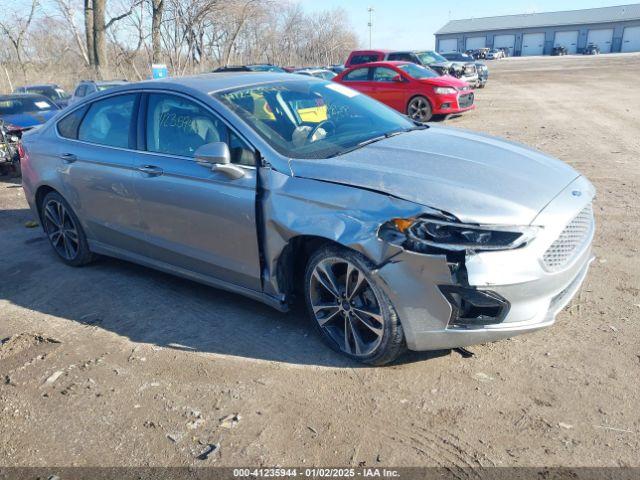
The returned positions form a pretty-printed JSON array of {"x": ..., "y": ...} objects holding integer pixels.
[
  {"x": 64, "y": 231},
  {"x": 352, "y": 314},
  {"x": 419, "y": 109}
]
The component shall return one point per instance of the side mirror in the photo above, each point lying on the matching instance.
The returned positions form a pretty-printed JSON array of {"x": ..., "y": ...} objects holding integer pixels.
[
  {"x": 217, "y": 157},
  {"x": 212, "y": 153},
  {"x": 398, "y": 79}
]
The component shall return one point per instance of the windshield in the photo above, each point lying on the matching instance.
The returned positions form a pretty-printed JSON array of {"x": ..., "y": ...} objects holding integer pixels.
[
  {"x": 313, "y": 119},
  {"x": 430, "y": 57},
  {"x": 50, "y": 92},
  {"x": 13, "y": 106},
  {"x": 417, "y": 71}
]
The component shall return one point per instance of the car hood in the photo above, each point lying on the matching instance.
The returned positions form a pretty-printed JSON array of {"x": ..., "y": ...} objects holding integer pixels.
[
  {"x": 29, "y": 119},
  {"x": 477, "y": 178},
  {"x": 444, "y": 81}
]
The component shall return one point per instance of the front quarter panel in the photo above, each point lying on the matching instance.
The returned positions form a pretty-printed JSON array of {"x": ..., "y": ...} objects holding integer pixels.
[{"x": 350, "y": 216}]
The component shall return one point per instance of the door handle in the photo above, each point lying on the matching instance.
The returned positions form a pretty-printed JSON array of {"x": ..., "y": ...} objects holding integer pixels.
[
  {"x": 151, "y": 170},
  {"x": 68, "y": 157}
]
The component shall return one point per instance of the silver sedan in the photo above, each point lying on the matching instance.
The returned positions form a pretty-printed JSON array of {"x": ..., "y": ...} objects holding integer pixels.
[{"x": 281, "y": 187}]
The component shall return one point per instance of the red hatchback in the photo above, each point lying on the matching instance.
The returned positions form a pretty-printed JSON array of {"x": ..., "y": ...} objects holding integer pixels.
[{"x": 409, "y": 88}]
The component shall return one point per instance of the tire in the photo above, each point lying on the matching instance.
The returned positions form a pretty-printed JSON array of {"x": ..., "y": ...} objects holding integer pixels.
[
  {"x": 361, "y": 323},
  {"x": 419, "y": 109},
  {"x": 64, "y": 231}
]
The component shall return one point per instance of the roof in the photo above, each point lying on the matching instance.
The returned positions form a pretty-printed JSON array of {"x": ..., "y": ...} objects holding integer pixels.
[
  {"x": 213, "y": 82},
  {"x": 531, "y": 20}
]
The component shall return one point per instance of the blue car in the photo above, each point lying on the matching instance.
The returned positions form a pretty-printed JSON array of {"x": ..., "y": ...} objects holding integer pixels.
[{"x": 23, "y": 111}]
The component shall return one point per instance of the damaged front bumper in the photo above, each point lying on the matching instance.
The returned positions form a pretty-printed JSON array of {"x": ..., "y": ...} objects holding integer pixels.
[{"x": 516, "y": 289}]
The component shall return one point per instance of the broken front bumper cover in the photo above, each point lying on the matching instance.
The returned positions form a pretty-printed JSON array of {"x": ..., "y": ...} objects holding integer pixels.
[
  {"x": 448, "y": 302},
  {"x": 426, "y": 313}
]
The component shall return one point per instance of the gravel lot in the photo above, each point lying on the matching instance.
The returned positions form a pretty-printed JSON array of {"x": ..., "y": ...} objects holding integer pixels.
[{"x": 115, "y": 364}]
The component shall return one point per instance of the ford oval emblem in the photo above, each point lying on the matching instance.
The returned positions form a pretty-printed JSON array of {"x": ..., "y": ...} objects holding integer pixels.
[{"x": 576, "y": 193}]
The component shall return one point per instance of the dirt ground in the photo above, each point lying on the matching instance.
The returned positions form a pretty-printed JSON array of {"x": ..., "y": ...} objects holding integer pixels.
[{"x": 118, "y": 365}]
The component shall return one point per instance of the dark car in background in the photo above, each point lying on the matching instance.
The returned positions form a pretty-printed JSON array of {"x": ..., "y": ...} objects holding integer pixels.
[
  {"x": 559, "y": 51},
  {"x": 468, "y": 62},
  {"x": 22, "y": 111},
  {"x": 591, "y": 49},
  {"x": 87, "y": 87},
  {"x": 261, "y": 67},
  {"x": 52, "y": 91}
]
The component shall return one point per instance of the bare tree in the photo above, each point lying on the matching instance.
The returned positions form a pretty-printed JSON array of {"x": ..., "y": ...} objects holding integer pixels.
[
  {"x": 157, "y": 10},
  {"x": 16, "y": 32},
  {"x": 67, "y": 12}
]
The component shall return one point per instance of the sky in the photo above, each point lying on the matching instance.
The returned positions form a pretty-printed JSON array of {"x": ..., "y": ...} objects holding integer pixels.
[{"x": 410, "y": 24}]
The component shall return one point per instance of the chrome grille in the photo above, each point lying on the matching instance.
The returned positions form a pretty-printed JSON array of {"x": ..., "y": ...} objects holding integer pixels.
[{"x": 574, "y": 235}]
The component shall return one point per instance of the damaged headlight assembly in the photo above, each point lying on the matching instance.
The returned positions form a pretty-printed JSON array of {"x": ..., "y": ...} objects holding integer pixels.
[
  {"x": 470, "y": 307},
  {"x": 425, "y": 235}
]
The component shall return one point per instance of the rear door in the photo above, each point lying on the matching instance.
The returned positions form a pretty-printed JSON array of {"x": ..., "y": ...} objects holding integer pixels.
[
  {"x": 95, "y": 158},
  {"x": 195, "y": 219},
  {"x": 359, "y": 79}
]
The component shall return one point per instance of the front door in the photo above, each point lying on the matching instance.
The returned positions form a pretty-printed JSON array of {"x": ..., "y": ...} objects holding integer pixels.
[
  {"x": 359, "y": 79},
  {"x": 196, "y": 219}
]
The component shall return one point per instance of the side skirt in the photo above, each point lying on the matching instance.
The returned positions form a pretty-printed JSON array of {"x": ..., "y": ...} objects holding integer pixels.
[{"x": 102, "y": 249}]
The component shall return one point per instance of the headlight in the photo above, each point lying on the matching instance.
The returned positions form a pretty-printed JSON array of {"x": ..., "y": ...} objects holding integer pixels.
[
  {"x": 445, "y": 235},
  {"x": 444, "y": 90}
]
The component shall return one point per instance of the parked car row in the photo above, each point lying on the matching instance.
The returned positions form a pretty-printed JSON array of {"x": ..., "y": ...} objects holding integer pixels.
[{"x": 419, "y": 83}]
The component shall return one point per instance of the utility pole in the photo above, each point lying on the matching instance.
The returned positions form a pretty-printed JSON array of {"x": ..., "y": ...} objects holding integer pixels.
[{"x": 370, "y": 24}]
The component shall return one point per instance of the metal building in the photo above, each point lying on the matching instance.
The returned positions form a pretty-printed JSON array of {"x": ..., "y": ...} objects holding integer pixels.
[{"x": 613, "y": 29}]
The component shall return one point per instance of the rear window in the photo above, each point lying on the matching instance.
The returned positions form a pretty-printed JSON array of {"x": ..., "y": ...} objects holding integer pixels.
[
  {"x": 108, "y": 121},
  {"x": 68, "y": 126},
  {"x": 360, "y": 59}
]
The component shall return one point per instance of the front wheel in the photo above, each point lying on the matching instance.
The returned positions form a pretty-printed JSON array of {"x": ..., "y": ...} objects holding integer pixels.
[
  {"x": 351, "y": 312},
  {"x": 419, "y": 109}
]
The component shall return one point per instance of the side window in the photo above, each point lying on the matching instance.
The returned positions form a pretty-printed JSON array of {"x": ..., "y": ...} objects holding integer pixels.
[
  {"x": 382, "y": 74},
  {"x": 360, "y": 59},
  {"x": 81, "y": 91},
  {"x": 357, "y": 75},
  {"x": 108, "y": 121},
  {"x": 177, "y": 126},
  {"x": 68, "y": 126}
]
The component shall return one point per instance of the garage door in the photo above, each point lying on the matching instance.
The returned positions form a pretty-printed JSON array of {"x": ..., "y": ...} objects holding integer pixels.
[
  {"x": 532, "y": 44},
  {"x": 601, "y": 38},
  {"x": 475, "y": 42},
  {"x": 504, "y": 41},
  {"x": 448, "y": 45},
  {"x": 568, "y": 40},
  {"x": 631, "y": 39}
]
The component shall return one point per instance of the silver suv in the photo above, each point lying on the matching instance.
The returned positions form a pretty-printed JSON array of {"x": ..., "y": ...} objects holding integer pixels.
[
  {"x": 395, "y": 234},
  {"x": 87, "y": 87}
]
